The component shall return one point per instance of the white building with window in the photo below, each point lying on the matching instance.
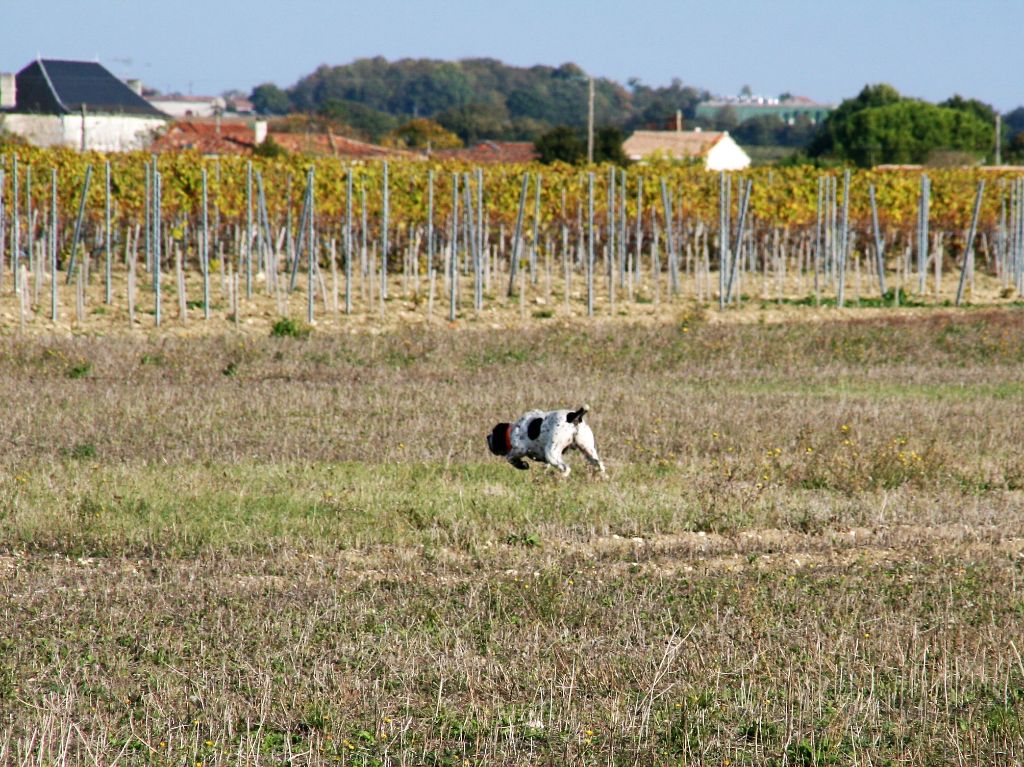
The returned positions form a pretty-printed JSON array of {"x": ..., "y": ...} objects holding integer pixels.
[{"x": 78, "y": 104}]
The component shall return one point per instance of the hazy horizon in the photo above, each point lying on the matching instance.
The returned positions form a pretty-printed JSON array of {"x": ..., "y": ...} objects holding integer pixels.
[{"x": 828, "y": 52}]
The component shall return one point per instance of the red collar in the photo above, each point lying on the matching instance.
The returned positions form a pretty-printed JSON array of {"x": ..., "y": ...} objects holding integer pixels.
[{"x": 508, "y": 439}]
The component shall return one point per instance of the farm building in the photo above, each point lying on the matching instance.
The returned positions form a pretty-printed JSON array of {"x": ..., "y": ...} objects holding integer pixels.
[
  {"x": 716, "y": 148},
  {"x": 78, "y": 104},
  {"x": 189, "y": 106},
  {"x": 788, "y": 110}
]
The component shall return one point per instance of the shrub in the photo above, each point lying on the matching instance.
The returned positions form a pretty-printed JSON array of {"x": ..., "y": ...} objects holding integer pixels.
[
  {"x": 286, "y": 327},
  {"x": 81, "y": 370}
]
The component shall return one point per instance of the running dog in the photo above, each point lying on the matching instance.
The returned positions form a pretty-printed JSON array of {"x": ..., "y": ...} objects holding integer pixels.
[{"x": 544, "y": 436}]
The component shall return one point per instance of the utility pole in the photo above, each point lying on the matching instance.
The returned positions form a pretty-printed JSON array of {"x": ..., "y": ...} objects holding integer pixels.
[{"x": 590, "y": 123}]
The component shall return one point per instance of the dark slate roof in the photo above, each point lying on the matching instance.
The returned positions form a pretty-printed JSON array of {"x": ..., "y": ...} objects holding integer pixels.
[{"x": 52, "y": 86}]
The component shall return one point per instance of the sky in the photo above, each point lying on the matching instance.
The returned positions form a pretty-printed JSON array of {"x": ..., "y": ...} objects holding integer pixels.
[{"x": 826, "y": 50}]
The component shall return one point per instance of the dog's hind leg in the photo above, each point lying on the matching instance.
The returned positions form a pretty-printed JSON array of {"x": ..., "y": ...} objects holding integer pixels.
[
  {"x": 585, "y": 442},
  {"x": 554, "y": 457}
]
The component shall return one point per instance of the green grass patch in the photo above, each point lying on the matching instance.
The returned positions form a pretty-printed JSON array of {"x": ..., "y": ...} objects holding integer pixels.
[{"x": 286, "y": 327}]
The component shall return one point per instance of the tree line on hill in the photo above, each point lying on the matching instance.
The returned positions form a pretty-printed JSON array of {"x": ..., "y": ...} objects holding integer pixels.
[
  {"x": 423, "y": 102},
  {"x": 474, "y": 98}
]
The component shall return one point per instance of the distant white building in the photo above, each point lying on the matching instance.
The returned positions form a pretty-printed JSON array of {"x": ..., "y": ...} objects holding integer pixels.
[
  {"x": 788, "y": 110},
  {"x": 77, "y": 104},
  {"x": 189, "y": 106},
  {"x": 716, "y": 149}
]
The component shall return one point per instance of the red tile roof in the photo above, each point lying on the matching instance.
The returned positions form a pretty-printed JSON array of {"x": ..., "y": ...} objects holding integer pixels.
[
  {"x": 205, "y": 137},
  {"x": 338, "y": 146},
  {"x": 492, "y": 152}
]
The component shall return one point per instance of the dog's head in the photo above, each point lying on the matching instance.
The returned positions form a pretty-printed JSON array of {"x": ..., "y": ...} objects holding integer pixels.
[{"x": 500, "y": 439}]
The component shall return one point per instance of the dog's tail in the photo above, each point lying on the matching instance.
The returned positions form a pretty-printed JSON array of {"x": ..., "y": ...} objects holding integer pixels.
[{"x": 576, "y": 416}]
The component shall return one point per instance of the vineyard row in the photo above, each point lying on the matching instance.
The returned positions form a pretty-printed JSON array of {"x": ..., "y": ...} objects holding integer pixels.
[{"x": 466, "y": 236}]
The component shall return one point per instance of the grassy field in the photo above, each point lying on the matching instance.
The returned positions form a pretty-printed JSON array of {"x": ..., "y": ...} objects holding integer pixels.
[{"x": 238, "y": 549}]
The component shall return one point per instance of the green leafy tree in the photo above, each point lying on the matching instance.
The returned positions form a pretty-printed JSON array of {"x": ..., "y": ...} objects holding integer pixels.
[
  {"x": 975, "y": 107},
  {"x": 911, "y": 131},
  {"x": 1013, "y": 122},
  {"x": 563, "y": 144},
  {"x": 880, "y": 126},
  {"x": 268, "y": 99},
  {"x": 567, "y": 144},
  {"x": 1013, "y": 135},
  {"x": 1015, "y": 148},
  {"x": 797, "y": 134},
  {"x": 761, "y": 130},
  {"x": 368, "y": 122},
  {"x": 608, "y": 146},
  {"x": 269, "y": 148},
  {"x": 657, "y": 107},
  {"x": 474, "y": 122},
  {"x": 835, "y": 136},
  {"x": 421, "y": 133},
  {"x": 474, "y": 98},
  {"x": 771, "y": 130}
]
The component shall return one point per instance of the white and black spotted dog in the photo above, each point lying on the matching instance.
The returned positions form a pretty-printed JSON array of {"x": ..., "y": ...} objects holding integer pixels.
[{"x": 545, "y": 436}]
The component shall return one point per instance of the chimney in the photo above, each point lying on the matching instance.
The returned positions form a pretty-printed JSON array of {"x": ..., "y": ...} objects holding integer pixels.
[
  {"x": 259, "y": 130},
  {"x": 679, "y": 121},
  {"x": 135, "y": 84},
  {"x": 8, "y": 91}
]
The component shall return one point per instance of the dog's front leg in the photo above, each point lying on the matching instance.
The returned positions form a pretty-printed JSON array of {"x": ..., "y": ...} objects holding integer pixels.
[{"x": 516, "y": 459}]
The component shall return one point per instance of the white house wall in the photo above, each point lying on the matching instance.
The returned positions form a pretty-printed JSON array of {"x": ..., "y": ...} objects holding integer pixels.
[
  {"x": 726, "y": 154},
  {"x": 103, "y": 133}
]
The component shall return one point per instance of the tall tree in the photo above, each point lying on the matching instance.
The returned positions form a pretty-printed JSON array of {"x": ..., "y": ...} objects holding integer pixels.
[
  {"x": 977, "y": 108},
  {"x": 834, "y": 137},
  {"x": 268, "y": 99},
  {"x": 561, "y": 144},
  {"x": 880, "y": 126},
  {"x": 566, "y": 144}
]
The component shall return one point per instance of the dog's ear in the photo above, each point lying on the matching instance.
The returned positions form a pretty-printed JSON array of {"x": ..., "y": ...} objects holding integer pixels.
[{"x": 497, "y": 440}]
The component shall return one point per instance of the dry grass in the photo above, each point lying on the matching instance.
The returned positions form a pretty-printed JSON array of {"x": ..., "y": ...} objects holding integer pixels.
[
  {"x": 245, "y": 549},
  {"x": 786, "y": 297}
]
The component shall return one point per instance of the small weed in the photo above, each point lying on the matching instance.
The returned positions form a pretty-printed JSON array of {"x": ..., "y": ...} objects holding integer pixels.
[
  {"x": 80, "y": 370},
  {"x": 812, "y": 753},
  {"x": 527, "y": 540},
  {"x": 83, "y": 451},
  {"x": 1005, "y": 720},
  {"x": 317, "y": 717},
  {"x": 286, "y": 327},
  {"x": 8, "y": 682},
  {"x": 231, "y": 369}
]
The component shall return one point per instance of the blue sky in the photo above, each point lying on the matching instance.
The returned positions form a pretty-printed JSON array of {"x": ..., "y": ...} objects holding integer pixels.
[{"x": 825, "y": 50}]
